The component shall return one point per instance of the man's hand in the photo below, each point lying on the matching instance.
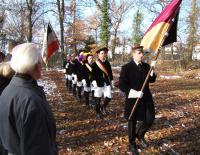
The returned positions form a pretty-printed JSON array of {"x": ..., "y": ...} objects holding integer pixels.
[
  {"x": 135, "y": 94},
  {"x": 153, "y": 63}
]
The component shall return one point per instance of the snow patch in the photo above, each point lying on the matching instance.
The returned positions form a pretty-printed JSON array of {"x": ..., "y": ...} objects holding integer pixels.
[
  {"x": 48, "y": 86},
  {"x": 170, "y": 77}
]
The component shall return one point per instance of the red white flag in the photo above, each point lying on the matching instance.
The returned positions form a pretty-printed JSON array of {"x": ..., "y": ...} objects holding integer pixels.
[{"x": 50, "y": 44}]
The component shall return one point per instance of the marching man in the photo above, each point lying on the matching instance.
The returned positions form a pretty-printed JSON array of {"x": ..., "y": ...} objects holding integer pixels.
[
  {"x": 102, "y": 80},
  {"x": 87, "y": 77},
  {"x": 131, "y": 79}
]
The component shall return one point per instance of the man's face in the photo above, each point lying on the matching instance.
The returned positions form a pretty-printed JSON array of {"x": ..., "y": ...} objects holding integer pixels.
[
  {"x": 90, "y": 59},
  {"x": 102, "y": 55},
  {"x": 137, "y": 55}
]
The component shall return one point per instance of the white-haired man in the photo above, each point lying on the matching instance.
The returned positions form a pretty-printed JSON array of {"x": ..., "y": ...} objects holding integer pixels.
[{"x": 27, "y": 125}]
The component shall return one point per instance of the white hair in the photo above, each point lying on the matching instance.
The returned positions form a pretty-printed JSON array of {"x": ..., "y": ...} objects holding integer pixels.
[{"x": 25, "y": 57}]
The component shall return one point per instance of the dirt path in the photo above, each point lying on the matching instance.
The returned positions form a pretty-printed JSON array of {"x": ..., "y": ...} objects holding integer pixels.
[{"x": 176, "y": 129}]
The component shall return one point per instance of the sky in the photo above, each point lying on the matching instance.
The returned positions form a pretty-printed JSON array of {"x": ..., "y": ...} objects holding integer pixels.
[{"x": 148, "y": 18}]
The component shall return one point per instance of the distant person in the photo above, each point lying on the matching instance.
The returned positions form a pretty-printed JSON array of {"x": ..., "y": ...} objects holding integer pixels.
[
  {"x": 6, "y": 74},
  {"x": 87, "y": 77},
  {"x": 131, "y": 79},
  {"x": 11, "y": 45},
  {"x": 27, "y": 124}
]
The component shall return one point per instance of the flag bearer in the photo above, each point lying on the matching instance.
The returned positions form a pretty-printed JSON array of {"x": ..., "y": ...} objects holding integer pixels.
[{"x": 131, "y": 79}]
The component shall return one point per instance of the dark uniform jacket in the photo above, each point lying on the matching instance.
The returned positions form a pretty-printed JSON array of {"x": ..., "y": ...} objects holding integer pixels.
[
  {"x": 71, "y": 67},
  {"x": 66, "y": 66},
  {"x": 99, "y": 76},
  {"x": 79, "y": 73},
  {"x": 27, "y": 125},
  {"x": 132, "y": 77},
  {"x": 87, "y": 74}
]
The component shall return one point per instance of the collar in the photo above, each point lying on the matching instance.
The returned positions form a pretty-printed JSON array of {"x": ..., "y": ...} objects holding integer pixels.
[{"x": 137, "y": 62}]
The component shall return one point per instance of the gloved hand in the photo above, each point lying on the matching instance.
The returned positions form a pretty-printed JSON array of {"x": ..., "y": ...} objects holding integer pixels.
[
  {"x": 135, "y": 94},
  {"x": 112, "y": 84},
  {"x": 94, "y": 83},
  {"x": 75, "y": 77},
  {"x": 153, "y": 63},
  {"x": 84, "y": 82}
]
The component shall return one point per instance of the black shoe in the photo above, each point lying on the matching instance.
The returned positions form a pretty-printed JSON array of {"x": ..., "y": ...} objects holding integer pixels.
[
  {"x": 143, "y": 142},
  {"x": 98, "y": 116},
  {"x": 133, "y": 149}
]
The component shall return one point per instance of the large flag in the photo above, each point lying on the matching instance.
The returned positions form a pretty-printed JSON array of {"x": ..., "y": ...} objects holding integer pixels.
[
  {"x": 164, "y": 28},
  {"x": 50, "y": 44}
]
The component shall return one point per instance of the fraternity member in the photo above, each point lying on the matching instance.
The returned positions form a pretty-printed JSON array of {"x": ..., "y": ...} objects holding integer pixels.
[
  {"x": 102, "y": 77},
  {"x": 66, "y": 67},
  {"x": 87, "y": 77},
  {"x": 131, "y": 79}
]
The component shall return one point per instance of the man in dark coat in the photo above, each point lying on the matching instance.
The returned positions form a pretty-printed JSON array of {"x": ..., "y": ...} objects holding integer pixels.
[
  {"x": 131, "y": 79},
  {"x": 66, "y": 67},
  {"x": 27, "y": 125},
  {"x": 102, "y": 81},
  {"x": 87, "y": 77}
]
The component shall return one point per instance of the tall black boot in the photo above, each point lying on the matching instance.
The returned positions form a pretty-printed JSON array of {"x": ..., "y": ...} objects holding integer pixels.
[
  {"x": 79, "y": 89},
  {"x": 67, "y": 83},
  {"x": 70, "y": 86},
  {"x": 86, "y": 95},
  {"x": 92, "y": 101},
  {"x": 97, "y": 106},
  {"x": 105, "y": 104},
  {"x": 74, "y": 89}
]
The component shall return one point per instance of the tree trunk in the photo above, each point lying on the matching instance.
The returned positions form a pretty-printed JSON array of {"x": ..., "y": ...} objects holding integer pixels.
[{"x": 29, "y": 20}]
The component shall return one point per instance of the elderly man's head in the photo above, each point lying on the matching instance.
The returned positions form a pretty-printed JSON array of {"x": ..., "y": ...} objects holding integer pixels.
[{"x": 26, "y": 59}]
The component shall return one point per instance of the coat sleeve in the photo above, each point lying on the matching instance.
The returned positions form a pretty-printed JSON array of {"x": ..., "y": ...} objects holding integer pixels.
[
  {"x": 151, "y": 79},
  {"x": 110, "y": 71},
  {"x": 123, "y": 81},
  {"x": 35, "y": 137}
]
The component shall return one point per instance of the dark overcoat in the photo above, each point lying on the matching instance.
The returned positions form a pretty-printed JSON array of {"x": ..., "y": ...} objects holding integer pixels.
[
  {"x": 27, "y": 125},
  {"x": 100, "y": 76},
  {"x": 87, "y": 74},
  {"x": 132, "y": 77}
]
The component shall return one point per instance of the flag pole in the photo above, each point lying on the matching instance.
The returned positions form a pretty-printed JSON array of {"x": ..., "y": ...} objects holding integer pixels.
[{"x": 151, "y": 68}]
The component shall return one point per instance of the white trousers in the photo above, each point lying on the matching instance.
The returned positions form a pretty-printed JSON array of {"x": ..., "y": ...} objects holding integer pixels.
[{"x": 103, "y": 91}]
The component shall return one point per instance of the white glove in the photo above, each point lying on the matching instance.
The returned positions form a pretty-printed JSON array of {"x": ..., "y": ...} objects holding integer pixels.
[
  {"x": 94, "y": 83},
  {"x": 66, "y": 66},
  {"x": 153, "y": 64},
  {"x": 75, "y": 78},
  {"x": 135, "y": 94},
  {"x": 84, "y": 82},
  {"x": 112, "y": 84},
  {"x": 151, "y": 74}
]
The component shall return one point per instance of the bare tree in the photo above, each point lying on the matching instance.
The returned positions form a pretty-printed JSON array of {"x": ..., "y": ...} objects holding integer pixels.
[
  {"x": 192, "y": 28},
  {"x": 118, "y": 13},
  {"x": 61, "y": 12}
]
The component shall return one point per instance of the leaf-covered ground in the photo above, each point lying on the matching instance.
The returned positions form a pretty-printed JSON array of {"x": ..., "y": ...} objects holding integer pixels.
[{"x": 176, "y": 129}]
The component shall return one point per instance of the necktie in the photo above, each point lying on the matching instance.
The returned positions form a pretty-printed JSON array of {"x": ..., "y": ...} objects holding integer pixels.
[{"x": 140, "y": 67}]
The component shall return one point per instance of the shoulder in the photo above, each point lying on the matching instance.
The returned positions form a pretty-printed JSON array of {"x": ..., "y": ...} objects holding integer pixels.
[
  {"x": 127, "y": 65},
  {"x": 146, "y": 65}
]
